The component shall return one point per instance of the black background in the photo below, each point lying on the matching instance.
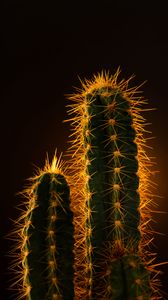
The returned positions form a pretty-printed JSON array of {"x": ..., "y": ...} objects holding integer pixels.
[{"x": 45, "y": 47}]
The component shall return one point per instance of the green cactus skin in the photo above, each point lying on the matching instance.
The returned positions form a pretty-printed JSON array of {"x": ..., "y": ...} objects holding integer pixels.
[
  {"x": 123, "y": 176},
  {"x": 95, "y": 186},
  {"x": 137, "y": 278},
  {"x": 107, "y": 151},
  {"x": 49, "y": 245},
  {"x": 109, "y": 129},
  {"x": 108, "y": 171}
]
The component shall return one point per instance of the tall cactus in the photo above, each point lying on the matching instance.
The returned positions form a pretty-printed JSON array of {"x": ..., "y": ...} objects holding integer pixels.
[
  {"x": 46, "y": 233},
  {"x": 111, "y": 195}
]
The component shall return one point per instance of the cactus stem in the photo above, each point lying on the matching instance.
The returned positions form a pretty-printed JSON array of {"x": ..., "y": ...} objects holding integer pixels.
[
  {"x": 109, "y": 105},
  {"x": 24, "y": 229}
]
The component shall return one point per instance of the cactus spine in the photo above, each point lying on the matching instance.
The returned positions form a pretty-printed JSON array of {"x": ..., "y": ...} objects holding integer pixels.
[
  {"x": 47, "y": 238},
  {"x": 112, "y": 178}
]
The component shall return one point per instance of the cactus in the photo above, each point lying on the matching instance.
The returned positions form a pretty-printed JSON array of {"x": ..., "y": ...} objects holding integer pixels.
[
  {"x": 99, "y": 250},
  {"x": 46, "y": 235},
  {"x": 111, "y": 185}
]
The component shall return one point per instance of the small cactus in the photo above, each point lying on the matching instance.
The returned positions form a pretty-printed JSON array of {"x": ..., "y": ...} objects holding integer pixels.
[{"x": 47, "y": 242}]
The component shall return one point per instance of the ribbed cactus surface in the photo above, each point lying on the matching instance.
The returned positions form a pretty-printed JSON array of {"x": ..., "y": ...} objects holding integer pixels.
[
  {"x": 47, "y": 239},
  {"x": 110, "y": 185}
]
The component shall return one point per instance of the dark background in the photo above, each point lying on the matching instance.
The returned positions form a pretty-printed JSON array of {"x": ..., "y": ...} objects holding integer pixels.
[{"x": 45, "y": 47}]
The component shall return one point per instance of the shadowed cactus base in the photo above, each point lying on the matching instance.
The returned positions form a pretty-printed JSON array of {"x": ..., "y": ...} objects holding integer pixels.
[{"x": 128, "y": 279}]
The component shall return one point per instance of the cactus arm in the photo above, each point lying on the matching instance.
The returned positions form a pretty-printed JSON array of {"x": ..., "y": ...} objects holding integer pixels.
[
  {"x": 50, "y": 242},
  {"x": 47, "y": 242}
]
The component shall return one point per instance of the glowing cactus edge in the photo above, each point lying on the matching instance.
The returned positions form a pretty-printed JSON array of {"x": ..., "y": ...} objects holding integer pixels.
[
  {"x": 112, "y": 191},
  {"x": 45, "y": 236},
  {"x": 86, "y": 235}
]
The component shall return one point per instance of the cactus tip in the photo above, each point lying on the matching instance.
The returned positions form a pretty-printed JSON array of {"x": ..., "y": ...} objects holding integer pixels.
[{"x": 56, "y": 165}]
